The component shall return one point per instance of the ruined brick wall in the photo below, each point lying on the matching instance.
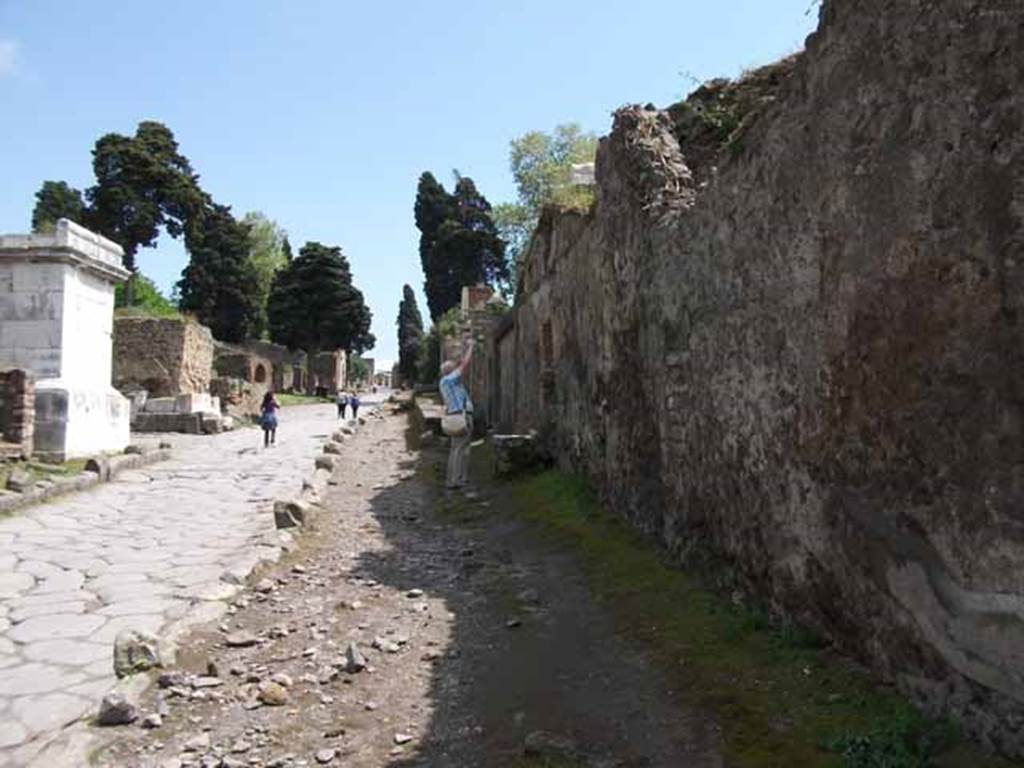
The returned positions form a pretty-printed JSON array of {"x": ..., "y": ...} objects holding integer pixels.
[
  {"x": 810, "y": 360},
  {"x": 17, "y": 413},
  {"x": 164, "y": 356},
  {"x": 245, "y": 366},
  {"x": 284, "y": 362}
]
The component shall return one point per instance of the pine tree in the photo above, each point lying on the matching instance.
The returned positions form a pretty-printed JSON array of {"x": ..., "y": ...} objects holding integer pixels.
[
  {"x": 410, "y": 334},
  {"x": 314, "y": 306},
  {"x": 143, "y": 183},
  {"x": 220, "y": 285}
]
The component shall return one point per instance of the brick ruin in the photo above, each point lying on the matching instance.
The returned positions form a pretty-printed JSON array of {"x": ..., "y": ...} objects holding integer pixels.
[
  {"x": 797, "y": 348},
  {"x": 179, "y": 377},
  {"x": 163, "y": 356},
  {"x": 17, "y": 413}
]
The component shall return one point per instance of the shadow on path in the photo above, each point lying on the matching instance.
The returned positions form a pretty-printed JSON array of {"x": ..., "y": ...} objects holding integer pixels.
[{"x": 529, "y": 649}]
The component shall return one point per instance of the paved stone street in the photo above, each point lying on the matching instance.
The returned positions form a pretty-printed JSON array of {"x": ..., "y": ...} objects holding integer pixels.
[{"x": 138, "y": 553}]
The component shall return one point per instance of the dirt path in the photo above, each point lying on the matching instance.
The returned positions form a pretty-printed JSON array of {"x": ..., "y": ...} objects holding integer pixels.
[{"x": 476, "y": 637}]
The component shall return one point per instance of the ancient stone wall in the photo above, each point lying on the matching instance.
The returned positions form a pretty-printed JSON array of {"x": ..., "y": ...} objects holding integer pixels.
[
  {"x": 17, "y": 413},
  {"x": 806, "y": 356},
  {"x": 164, "y": 356}
]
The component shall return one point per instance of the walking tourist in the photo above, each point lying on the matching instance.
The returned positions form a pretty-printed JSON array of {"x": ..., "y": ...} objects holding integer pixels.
[
  {"x": 268, "y": 418},
  {"x": 354, "y": 402},
  {"x": 342, "y": 402},
  {"x": 457, "y": 421}
]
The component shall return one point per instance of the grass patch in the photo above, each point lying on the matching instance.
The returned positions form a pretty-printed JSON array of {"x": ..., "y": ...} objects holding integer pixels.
[
  {"x": 291, "y": 398},
  {"x": 42, "y": 470},
  {"x": 779, "y": 698}
]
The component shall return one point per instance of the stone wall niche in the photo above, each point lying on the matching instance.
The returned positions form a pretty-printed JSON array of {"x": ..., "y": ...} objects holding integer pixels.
[{"x": 57, "y": 309}]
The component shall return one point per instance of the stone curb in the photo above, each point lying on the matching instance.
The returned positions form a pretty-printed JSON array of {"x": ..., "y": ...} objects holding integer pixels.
[
  {"x": 299, "y": 511},
  {"x": 106, "y": 470}
]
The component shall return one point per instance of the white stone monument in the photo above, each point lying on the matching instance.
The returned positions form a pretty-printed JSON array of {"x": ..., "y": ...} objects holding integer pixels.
[{"x": 56, "y": 319}]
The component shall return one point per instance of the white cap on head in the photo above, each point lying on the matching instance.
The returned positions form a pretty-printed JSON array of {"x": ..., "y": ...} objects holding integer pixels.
[{"x": 447, "y": 367}]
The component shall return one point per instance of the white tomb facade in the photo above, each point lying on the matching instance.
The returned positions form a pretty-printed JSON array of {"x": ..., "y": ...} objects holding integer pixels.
[{"x": 56, "y": 320}]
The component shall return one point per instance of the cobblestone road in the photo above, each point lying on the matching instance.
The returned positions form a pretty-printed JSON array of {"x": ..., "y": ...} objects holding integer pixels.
[{"x": 135, "y": 553}]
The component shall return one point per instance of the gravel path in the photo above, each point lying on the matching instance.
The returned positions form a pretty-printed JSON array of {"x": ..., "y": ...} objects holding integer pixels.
[
  {"x": 139, "y": 553},
  {"x": 473, "y": 641}
]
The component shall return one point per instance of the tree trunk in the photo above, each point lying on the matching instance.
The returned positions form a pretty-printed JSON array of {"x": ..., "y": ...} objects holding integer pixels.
[{"x": 311, "y": 371}]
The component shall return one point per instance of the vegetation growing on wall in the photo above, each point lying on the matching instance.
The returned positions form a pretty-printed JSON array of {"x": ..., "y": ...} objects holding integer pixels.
[{"x": 712, "y": 121}]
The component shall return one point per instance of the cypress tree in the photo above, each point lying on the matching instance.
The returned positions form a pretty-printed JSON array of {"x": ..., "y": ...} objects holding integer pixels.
[
  {"x": 459, "y": 242},
  {"x": 410, "y": 334}
]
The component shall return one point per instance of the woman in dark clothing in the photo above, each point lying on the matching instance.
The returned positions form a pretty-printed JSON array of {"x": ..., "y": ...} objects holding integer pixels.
[
  {"x": 354, "y": 402},
  {"x": 268, "y": 418}
]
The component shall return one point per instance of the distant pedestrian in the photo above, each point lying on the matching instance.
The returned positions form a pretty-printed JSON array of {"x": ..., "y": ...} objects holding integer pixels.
[
  {"x": 268, "y": 418},
  {"x": 457, "y": 422},
  {"x": 354, "y": 402},
  {"x": 342, "y": 401}
]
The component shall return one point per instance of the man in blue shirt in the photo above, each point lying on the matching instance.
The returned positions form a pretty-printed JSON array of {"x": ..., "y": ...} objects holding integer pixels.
[{"x": 457, "y": 400}]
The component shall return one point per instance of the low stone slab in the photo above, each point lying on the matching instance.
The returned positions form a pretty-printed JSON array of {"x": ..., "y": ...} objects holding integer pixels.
[
  {"x": 291, "y": 514},
  {"x": 135, "y": 651},
  {"x": 515, "y": 454}
]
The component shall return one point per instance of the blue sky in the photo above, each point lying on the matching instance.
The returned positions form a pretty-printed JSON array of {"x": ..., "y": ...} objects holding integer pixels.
[{"x": 323, "y": 114}]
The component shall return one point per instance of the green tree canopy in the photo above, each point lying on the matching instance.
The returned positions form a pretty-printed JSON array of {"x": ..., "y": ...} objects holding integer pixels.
[
  {"x": 57, "y": 200},
  {"x": 358, "y": 369},
  {"x": 459, "y": 242},
  {"x": 314, "y": 305},
  {"x": 266, "y": 255},
  {"x": 410, "y": 334},
  {"x": 541, "y": 165},
  {"x": 220, "y": 284},
  {"x": 148, "y": 298},
  {"x": 143, "y": 184}
]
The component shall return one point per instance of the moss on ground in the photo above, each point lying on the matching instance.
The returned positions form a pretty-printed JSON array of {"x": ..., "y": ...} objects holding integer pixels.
[{"x": 779, "y": 700}]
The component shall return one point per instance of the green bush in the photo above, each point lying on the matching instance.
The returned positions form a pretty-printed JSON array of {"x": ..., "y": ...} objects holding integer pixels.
[{"x": 147, "y": 299}]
